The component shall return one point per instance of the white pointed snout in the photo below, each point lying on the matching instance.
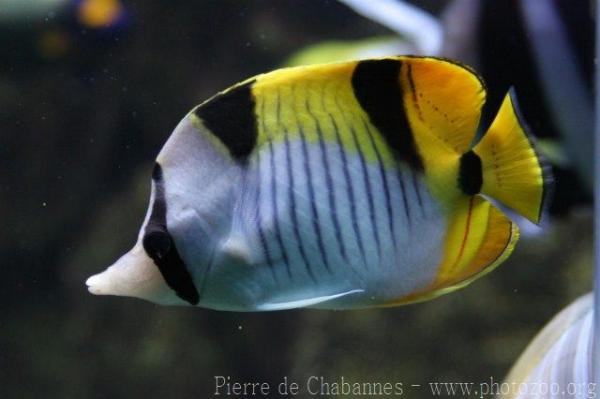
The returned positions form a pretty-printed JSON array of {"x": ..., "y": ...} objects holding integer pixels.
[{"x": 134, "y": 275}]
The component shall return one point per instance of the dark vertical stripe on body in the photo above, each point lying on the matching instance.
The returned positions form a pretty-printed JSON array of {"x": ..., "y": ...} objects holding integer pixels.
[
  {"x": 329, "y": 183},
  {"x": 368, "y": 191},
  {"x": 311, "y": 195},
  {"x": 376, "y": 85},
  {"x": 415, "y": 182},
  {"x": 292, "y": 199},
  {"x": 231, "y": 118},
  {"x": 273, "y": 199},
  {"x": 293, "y": 215},
  {"x": 404, "y": 196},
  {"x": 160, "y": 247},
  {"x": 258, "y": 221},
  {"x": 384, "y": 181},
  {"x": 349, "y": 191},
  {"x": 331, "y": 197},
  {"x": 278, "y": 236}
]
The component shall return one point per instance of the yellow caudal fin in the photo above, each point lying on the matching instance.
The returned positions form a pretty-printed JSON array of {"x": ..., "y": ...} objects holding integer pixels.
[
  {"x": 480, "y": 237},
  {"x": 512, "y": 171}
]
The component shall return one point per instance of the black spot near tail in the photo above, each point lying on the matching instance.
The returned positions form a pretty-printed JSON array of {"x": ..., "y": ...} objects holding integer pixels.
[
  {"x": 230, "y": 117},
  {"x": 470, "y": 177},
  {"x": 160, "y": 247}
]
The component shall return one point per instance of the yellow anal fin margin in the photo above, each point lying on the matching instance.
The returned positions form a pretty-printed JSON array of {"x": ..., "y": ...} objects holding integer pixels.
[{"x": 480, "y": 237}]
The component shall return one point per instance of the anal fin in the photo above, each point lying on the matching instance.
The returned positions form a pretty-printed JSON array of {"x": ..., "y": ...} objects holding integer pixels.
[{"x": 480, "y": 237}]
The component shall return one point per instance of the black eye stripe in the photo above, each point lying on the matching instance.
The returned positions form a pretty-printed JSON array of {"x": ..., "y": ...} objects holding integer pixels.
[
  {"x": 157, "y": 244},
  {"x": 160, "y": 247},
  {"x": 157, "y": 172}
]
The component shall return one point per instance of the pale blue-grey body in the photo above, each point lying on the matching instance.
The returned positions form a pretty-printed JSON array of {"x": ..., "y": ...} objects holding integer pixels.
[
  {"x": 299, "y": 246},
  {"x": 298, "y": 222}
]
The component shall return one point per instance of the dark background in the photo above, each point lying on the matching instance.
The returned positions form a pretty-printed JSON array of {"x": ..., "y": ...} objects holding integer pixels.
[{"x": 84, "y": 112}]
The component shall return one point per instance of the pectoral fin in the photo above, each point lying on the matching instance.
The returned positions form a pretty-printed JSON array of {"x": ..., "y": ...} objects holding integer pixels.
[{"x": 237, "y": 250}]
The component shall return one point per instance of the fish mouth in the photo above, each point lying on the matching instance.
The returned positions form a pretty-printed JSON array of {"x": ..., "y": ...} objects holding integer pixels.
[
  {"x": 133, "y": 275},
  {"x": 93, "y": 284}
]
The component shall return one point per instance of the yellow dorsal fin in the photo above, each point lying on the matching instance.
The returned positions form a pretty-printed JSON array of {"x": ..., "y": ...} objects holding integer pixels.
[
  {"x": 479, "y": 238},
  {"x": 442, "y": 98}
]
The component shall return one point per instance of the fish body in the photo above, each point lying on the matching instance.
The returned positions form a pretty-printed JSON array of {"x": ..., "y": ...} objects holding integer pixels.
[
  {"x": 560, "y": 356},
  {"x": 338, "y": 186}
]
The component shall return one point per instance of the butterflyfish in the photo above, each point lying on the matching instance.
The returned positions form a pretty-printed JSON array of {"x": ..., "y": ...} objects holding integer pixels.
[
  {"x": 336, "y": 186},
  {"x": 559, "y": 358}
]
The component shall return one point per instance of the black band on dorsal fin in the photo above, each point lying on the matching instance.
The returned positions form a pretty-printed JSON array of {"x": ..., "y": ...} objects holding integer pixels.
[
  {"x": 159, "y": 245},
  {"x": 376, "y": 85},
  {"x": 470, "y": 177},
  {"x": 230, "y": 117}
]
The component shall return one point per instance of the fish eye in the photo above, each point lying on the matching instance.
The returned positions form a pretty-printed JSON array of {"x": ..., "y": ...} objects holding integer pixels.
[{"x": 157, "y": 244}]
